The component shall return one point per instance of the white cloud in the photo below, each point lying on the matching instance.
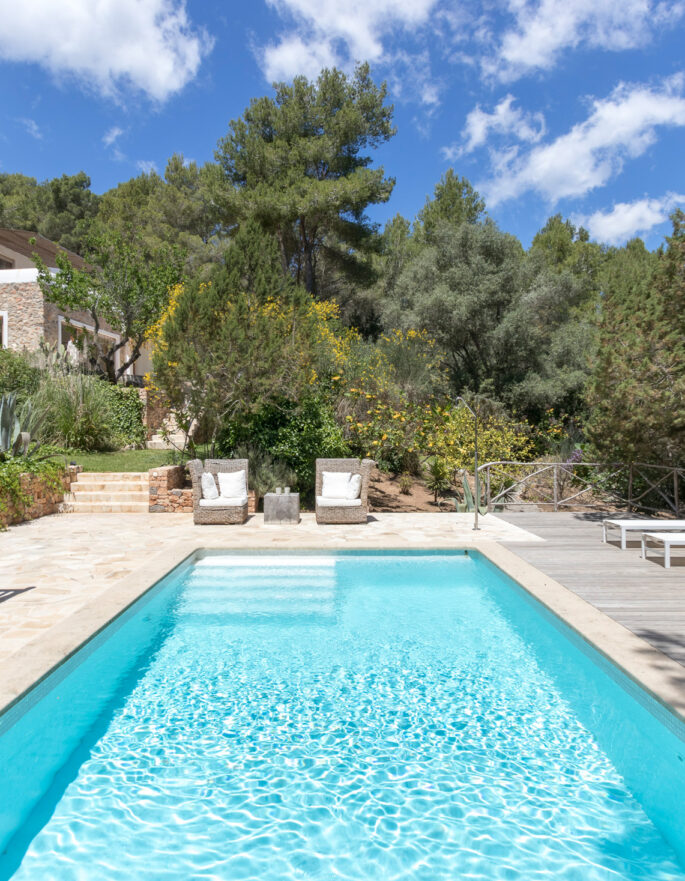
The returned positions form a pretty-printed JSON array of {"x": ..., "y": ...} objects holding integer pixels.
[
  {"x": 148, "y": 45},
  {"x": 111, "y": 135},
  {"x": 147, "y": 166},
  {"x": 324, "y": 33},
  {"x": 619, "y": 127},
  {"x": 505, "y": 119},
  {"x": 32, "y": 128},
  {"x": 545, "y": 28},
  {"x": 627, "y": 219}
]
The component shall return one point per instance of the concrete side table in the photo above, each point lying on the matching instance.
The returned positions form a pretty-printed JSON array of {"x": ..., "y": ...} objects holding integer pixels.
[{"x": 282, "y": 508}]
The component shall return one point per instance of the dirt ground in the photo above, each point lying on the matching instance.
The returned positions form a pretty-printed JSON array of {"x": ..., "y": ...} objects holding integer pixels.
[{"x": 385, "y": 495}]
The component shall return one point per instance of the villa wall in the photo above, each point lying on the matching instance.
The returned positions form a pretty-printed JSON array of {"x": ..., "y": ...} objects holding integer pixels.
[
  {"x": 46, "y": 499},
  {"x": 23, "y": 302}
]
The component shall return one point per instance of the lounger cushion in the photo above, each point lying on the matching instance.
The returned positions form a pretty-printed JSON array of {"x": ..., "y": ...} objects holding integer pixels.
[
  {"x": 209, "y": 490},
  {"x": 224, "y": 502},
  {"x": 325, "y": 502},
  {"x": 232, "y": 484},
  {"x": 335, "y": 484},
  {"x": 354, "y": 486}
]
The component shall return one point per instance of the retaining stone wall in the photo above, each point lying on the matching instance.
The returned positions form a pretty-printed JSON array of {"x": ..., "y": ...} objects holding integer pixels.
[
  {"x": 46, "y": 498},
  {"x": 167, "y": 491}
]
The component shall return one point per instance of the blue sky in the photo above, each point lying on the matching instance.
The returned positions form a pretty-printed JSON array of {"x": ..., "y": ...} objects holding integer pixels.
[{"x": 571, "y": 106}]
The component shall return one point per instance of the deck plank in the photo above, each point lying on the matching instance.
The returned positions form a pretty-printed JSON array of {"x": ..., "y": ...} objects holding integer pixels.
[{"x": 639, "y": 594}]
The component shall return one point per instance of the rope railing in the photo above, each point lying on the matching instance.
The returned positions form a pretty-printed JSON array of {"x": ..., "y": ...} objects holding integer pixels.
[{"x": 641, "y": 486}]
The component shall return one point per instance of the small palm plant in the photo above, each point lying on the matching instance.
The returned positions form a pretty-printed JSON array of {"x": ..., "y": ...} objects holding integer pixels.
[{"x": 438, "y": 478}]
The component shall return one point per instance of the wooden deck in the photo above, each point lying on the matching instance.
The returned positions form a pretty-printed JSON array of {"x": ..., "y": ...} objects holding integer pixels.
[{"x": 641, "y": 595}]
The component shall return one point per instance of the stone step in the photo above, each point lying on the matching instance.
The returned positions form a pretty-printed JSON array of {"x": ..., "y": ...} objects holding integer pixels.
[
  {"x": 124, "y": 495},
  {"x": 112, "y": 477},
  {"x": 110, "y": 486},
  {"x": 106, "y": 507},
  {"x": 175, "y": 442}
]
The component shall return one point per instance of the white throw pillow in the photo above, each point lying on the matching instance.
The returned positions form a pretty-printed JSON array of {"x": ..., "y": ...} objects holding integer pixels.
[
  {"x": 354, "y": 487},
  {"x": 208, "y": 484},
  {"x": 335, "y": 484},
  {"x": 232, "y": 483}
]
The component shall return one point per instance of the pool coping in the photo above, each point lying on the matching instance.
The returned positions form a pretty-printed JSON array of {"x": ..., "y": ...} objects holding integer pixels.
[{"x": 660, "y": 676}]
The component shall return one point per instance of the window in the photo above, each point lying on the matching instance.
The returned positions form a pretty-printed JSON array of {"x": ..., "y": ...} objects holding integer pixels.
[{"x": 6, "y": 264}]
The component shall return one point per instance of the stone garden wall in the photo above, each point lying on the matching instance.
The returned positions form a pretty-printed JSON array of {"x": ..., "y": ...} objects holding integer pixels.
[{"x": 168, "y": 493}]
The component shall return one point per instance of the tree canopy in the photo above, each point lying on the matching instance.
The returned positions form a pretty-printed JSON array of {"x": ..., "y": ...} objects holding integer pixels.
[{"x": 296, "y": 164}]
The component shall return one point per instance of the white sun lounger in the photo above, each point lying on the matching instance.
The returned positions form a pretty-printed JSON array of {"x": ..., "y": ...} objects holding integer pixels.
[
  {"x": 641, "y": 526},
  {"x": 667, "y": 539}
]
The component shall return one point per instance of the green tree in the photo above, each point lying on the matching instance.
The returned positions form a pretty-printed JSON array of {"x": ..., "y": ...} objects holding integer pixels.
[
  {"x": 296, "y": 164},
  {"x": 125, "y": 286},
  {"x": 637, "y": 390},
  {"x": 176, "y": 209},
  {"x": 60, "y": 209},
  {"x": 454, "y": 202},
  {"x": 238, "y": 341},
  {"x": 457, "y": 289}
]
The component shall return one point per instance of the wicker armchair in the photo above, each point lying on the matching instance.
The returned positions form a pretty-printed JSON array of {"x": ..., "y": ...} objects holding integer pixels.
[
  {"x": 343, "y": 513},
  {"x": 216, "y": 513}
]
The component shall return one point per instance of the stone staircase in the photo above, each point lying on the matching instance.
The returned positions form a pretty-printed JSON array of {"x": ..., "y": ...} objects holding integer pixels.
[
  {"x": 104, "y": 492},
  {"x": 169, "y": 436}
]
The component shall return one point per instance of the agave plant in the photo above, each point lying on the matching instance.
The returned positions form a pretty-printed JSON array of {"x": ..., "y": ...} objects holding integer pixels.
[{"x": 13, "y": 441}]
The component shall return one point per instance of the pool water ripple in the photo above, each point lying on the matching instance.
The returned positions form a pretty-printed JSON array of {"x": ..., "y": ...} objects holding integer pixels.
[{"x": 399, "y": 727}]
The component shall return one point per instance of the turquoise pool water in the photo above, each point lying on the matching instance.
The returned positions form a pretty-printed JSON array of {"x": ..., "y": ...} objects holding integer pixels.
[{"x": 340, "y": 716}]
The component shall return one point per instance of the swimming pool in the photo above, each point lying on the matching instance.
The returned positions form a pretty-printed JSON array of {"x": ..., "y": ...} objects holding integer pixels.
[{"x": 361, "y": 715}]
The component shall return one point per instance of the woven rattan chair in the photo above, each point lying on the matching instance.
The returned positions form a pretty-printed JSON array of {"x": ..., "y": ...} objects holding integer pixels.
[
  {"x": 344, "y": 514},
  {"x": 216, "y": 513}
]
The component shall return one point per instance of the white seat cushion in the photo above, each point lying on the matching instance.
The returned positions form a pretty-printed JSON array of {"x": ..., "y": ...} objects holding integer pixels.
[
  {"x": 324, "y": 502},
  {"x": 354, "y": 487},
  {"x": 232, "y": 484},
  {"x": 335, "y": 484},
  {"x": 208, "y": 484},
  {"x": 224, "y": 502}
]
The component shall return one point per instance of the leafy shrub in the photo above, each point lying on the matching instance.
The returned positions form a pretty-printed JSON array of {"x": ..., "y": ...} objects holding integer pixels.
[
  {"x": 406, "y": 483},
  {"x": 297, "y": 434},
  {"x": 126, "y": 409},
  {"x": 73, "y": 410},
  {"x": 17, "y": 374},
  {"x": 266, "y": 473}
]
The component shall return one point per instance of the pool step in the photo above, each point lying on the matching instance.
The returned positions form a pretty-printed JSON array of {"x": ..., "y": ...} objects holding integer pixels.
[
  {"x": 104, "y": 492},
  {"x": 260, "y": 588}
]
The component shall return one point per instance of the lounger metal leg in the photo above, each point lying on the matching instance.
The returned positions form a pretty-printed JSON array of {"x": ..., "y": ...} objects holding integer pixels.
[
  {"x": 623, "y": 539},
  {"x": 604, "y": 533},
  {"x": 667, "y": 555},
  {"x": 644, "y": 548}
]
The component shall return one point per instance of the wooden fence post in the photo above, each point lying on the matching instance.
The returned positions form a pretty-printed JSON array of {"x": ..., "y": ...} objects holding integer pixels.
[
  {"x": 556, "y": 488},
  {"x": 676, "y": 493}
]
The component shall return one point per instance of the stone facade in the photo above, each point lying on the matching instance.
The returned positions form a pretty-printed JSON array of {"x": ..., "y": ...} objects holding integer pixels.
[
  {"x": 45, "y": 499},
  {"x": 170, "y": 495},
  {"x": 23, "y": 302},
  {"x": 30, "y": 318}
]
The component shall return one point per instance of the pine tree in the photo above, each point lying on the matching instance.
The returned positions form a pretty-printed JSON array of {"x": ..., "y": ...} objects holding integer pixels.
[
  {"x": 637, "y": 392},
  {"x": 296, "y": 165}
]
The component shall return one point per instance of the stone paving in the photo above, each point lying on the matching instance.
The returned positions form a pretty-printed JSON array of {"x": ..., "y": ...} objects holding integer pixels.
[{"x": 67, "y": 560}]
